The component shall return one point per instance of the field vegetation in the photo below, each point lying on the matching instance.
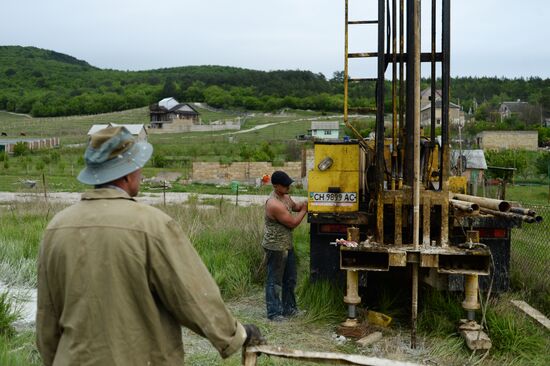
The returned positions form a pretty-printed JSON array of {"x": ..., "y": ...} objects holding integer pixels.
[{"x": 225, "y": 228}]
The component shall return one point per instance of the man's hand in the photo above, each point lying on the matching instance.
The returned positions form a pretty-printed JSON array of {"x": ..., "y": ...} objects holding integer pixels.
[{"x": 253, "y": 336}]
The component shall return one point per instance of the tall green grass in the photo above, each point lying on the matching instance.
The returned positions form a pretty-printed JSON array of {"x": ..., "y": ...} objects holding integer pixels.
[
  {"x": 15, "y": 349},
  {"x": 439, "y": 313},
  {"x": 228, "y": 238},
  {"x": 516, "y": 339},
  {"x": 323, "y": 301},
  {"x": 21, "y": 228},
  {"x": 19, "y": 350},
  {"x": 9, "y": 313}
]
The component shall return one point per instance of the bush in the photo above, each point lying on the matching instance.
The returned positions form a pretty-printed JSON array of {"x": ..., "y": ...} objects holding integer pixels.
[
  {"x": 159, "y": 161},
  {"x": 542, "y": 163},
  {"x": 517, "y": 159},
  {"x": 40, "y": 166},
  {"x": 20, "y": 149},
  {"x": 54, "y": 156}
]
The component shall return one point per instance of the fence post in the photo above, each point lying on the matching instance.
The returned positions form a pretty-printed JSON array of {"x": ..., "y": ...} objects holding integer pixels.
[
  {"x": 164, "y": 193},
  {"x": 44, "y": 187}
]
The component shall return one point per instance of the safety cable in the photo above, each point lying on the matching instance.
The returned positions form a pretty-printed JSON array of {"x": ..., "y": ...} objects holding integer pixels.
[{"x": 484, "y": 306}]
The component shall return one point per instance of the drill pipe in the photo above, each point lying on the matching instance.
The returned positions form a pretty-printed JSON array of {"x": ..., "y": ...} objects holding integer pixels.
[
  {"x": 464, "y": 205},
  {"x": 508, "y": 215},
  {"x": 523, "y": 211},
  {"x": 489, "y": 203}
]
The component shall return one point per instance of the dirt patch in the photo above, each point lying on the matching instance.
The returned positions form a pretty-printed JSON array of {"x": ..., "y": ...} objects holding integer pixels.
[{"x": 298, "y": 333}]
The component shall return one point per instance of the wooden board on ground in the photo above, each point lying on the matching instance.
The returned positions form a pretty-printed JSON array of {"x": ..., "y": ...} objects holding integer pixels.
[
  {"x": 532, "y": 312},
  {"x": 251, "y": 353}
]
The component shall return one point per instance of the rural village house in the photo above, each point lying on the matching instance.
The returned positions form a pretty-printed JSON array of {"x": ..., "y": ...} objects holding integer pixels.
[
  {"x": 519, "y": 109},
  {"x": 456, "y": 115},
  {"x": 171, "y": 114},
  {"x": 137, "y": 130},
  {"x": 324, "y": 130}
]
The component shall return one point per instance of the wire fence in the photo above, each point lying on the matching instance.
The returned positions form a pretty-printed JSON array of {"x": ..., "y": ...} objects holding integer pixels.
[{"x": 530, "y": 255}]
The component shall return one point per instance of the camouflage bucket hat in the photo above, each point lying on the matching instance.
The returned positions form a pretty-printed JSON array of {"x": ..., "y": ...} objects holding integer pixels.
[{"x": 113, "y": 153}]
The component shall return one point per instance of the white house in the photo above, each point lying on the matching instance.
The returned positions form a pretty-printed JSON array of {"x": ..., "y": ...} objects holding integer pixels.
[
  {"x": 324, "y": 130},
  {"x": 137, "y": 130}
]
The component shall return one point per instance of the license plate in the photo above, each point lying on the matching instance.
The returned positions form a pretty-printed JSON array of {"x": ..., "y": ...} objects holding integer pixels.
[{"x": 333, "y": 199}]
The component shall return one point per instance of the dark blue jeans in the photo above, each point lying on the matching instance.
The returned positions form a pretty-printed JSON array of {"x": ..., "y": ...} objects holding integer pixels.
[{"x": 280, "y": 283}]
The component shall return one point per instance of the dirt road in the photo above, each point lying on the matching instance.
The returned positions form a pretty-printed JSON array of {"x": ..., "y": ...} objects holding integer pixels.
[{"x": 144, "y": 197}]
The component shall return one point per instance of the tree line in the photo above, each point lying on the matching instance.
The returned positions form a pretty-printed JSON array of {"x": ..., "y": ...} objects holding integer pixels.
[{"x": 46, "y": 83}]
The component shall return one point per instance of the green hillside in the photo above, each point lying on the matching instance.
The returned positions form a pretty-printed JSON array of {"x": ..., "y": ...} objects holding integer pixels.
[{"x": 45, "y": 83}]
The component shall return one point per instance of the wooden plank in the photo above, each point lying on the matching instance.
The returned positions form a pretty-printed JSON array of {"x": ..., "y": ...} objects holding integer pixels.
[
  {"x": 532, "y": 312},
  {"x": 323, "y": 357}
]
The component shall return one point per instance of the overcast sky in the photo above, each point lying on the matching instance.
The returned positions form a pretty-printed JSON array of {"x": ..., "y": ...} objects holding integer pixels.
[{"x": 507, "y": 38}]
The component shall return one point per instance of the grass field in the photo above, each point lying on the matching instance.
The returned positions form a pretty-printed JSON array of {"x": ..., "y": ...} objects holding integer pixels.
[
  {"x": 220, "y": 230},
  {"x": 177, "y": 151}
]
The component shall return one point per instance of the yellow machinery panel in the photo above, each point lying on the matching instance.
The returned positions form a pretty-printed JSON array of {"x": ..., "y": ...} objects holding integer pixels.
[
  {"x": 458, "y": 184},
  {"x": 335, "y": 189},
  {"x": 345, "y": 157}
]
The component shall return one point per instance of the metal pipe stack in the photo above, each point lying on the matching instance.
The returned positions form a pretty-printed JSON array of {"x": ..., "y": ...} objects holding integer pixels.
[{"x": 499, "y": 208}]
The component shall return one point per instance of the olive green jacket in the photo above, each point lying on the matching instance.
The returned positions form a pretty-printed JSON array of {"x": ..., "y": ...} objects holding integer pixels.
[{"x": 116, "y": 281}]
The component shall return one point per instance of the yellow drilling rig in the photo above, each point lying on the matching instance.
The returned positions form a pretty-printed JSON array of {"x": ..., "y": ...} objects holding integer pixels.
[{"x": 392, "y": 197}]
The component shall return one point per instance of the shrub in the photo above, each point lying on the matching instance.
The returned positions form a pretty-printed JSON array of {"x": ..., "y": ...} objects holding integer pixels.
[
  {"x": 542, "y": 163},
  {"x": 40, "y": 166},
  {"x": 159, "y": 161},
  {"x": 20, "y": 149},
  {"x": 54, "y": 156}
]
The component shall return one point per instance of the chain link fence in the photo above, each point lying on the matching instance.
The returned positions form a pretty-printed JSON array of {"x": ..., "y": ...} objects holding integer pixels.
[{"x": 530, "y": 257}]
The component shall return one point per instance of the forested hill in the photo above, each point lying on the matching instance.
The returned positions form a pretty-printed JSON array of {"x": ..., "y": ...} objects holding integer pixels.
[{"x": 48, "y": 83}]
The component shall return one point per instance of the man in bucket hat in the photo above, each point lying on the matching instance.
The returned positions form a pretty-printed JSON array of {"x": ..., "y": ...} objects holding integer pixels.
[
  {"x": 279, "y": 251},
  {"x": 117, "y": 279}
]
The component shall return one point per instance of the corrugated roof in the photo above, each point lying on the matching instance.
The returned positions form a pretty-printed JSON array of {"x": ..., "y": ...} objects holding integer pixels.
[
  {"x": 475, "y": 159},
  {"x": 134, "y": 129},
  {"x": 96, "y": 128},
  {"x": 185, "y": 108},
  {"x": 324, "y": 125},
  {"x": 168, "y": 103},
  {"x": 428, "y": 92},
  {"x": 516, "y": 107},
  {"x": 438, "y": 105}
]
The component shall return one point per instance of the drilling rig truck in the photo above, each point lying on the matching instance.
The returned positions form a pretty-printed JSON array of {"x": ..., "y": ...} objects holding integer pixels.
[{"x": 392, "y": 197}]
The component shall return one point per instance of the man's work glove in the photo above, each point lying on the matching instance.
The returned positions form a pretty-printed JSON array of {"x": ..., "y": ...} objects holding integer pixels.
[{"x": 253, "y": 336}]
